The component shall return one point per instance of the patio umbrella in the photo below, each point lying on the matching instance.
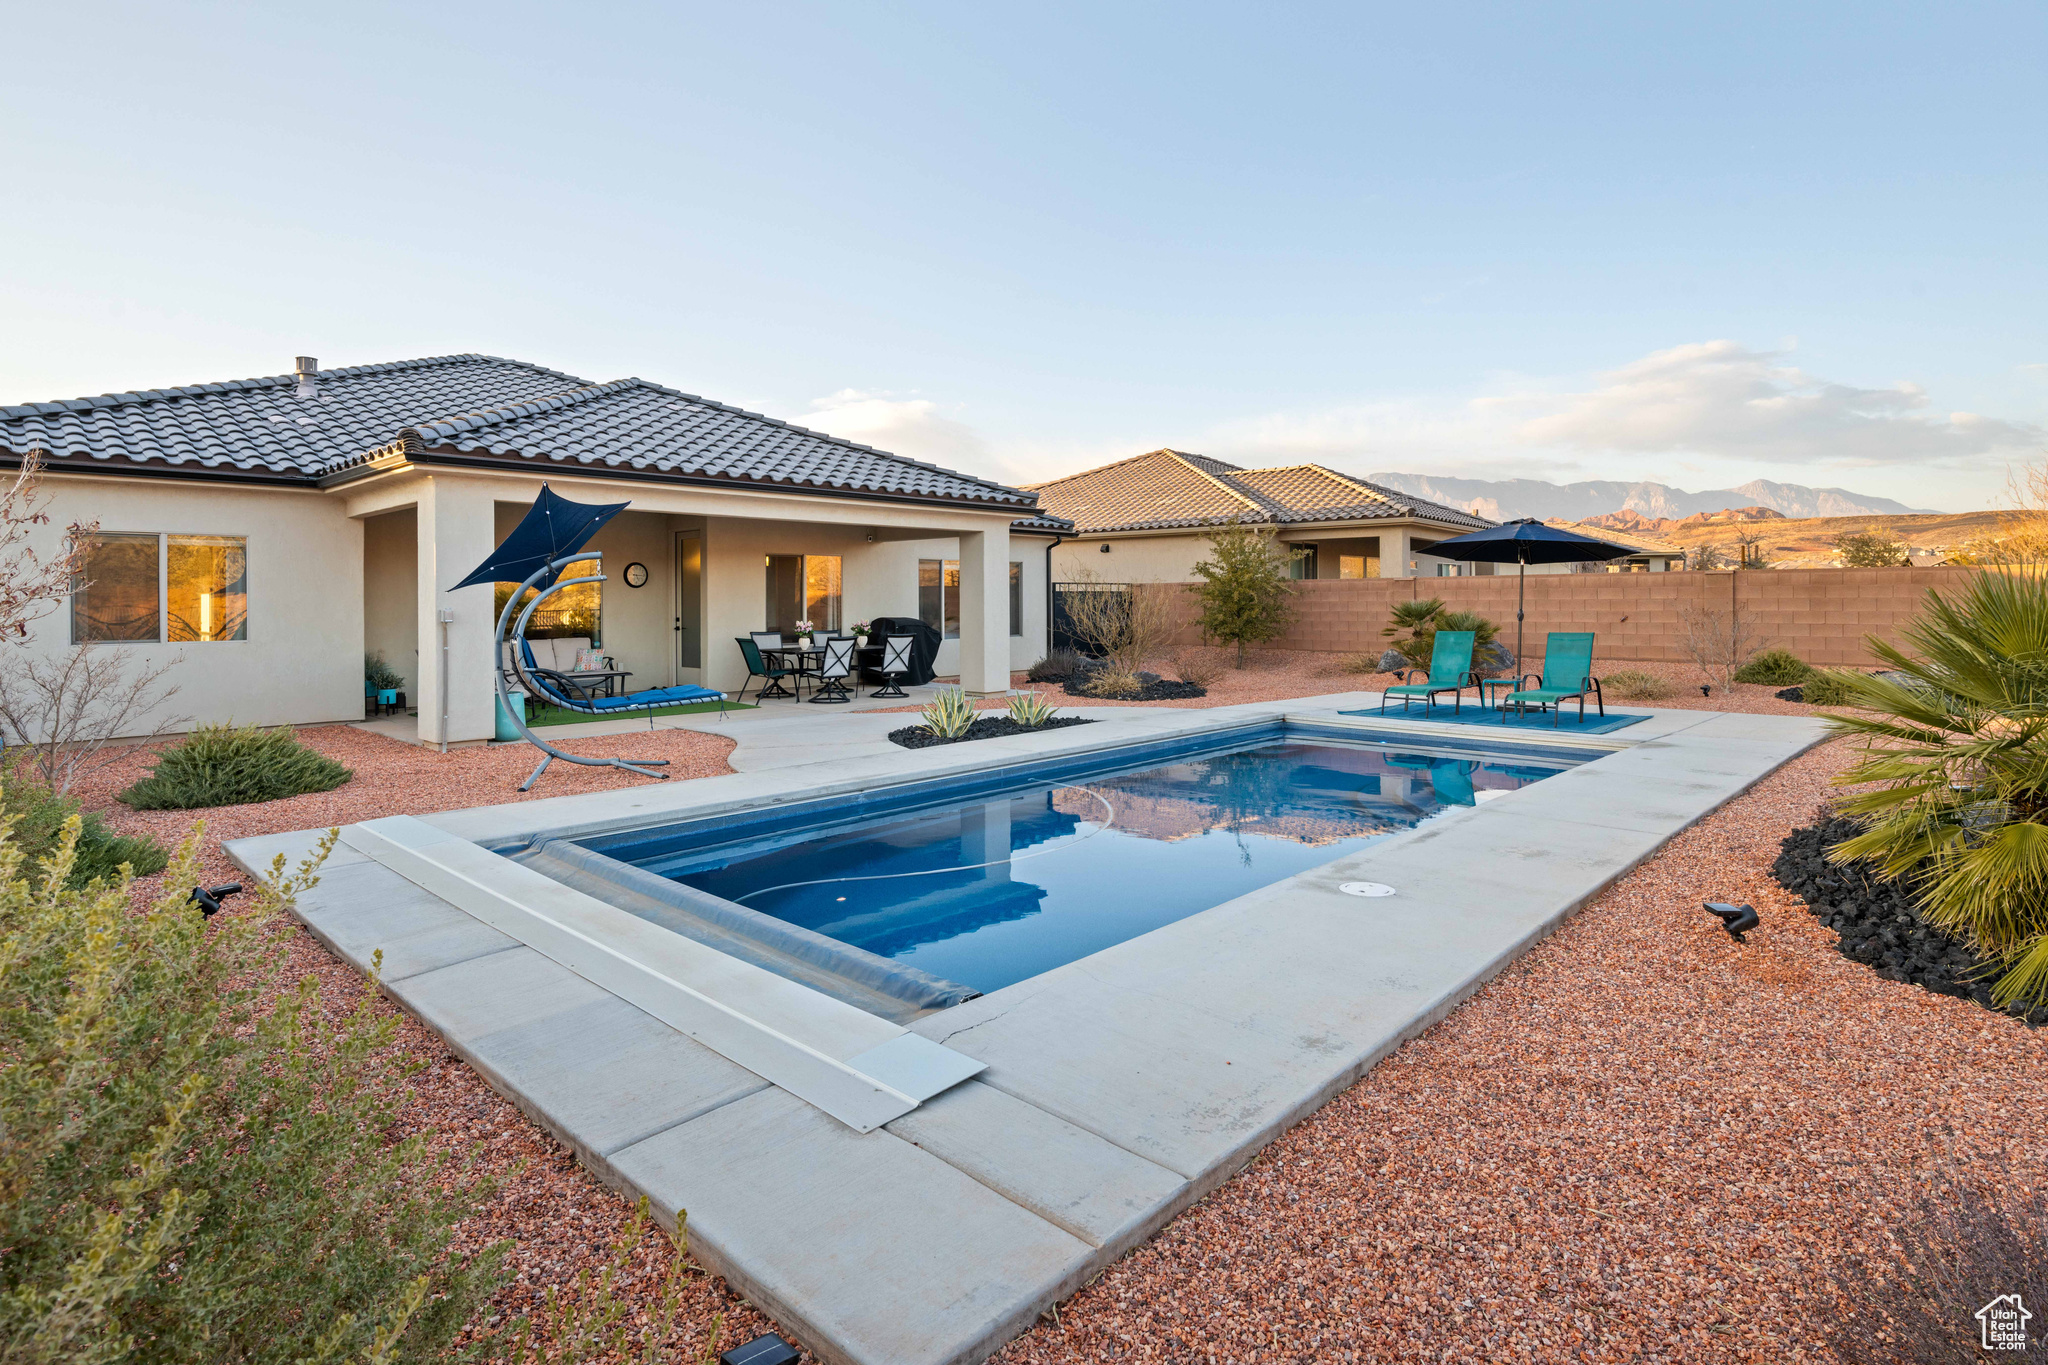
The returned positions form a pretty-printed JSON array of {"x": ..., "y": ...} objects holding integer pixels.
[
  {"x": 551, "y": 528},
  {"x": 1524, "y": 542}
]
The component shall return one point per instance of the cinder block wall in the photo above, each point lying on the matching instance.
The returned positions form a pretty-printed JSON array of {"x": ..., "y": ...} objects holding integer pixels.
[{"x": 1822, "y": 615}]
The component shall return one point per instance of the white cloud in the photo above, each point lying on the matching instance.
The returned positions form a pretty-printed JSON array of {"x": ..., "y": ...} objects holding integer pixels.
[
  {"x": 1718, "y": 398},
  {"x": 1703, "y": 407},
  {"x": 902, "y": 426}
]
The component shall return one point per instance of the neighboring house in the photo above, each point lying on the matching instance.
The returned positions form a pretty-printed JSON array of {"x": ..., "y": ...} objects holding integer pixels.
[
  {"x": 267, "y": 532},
  {"x": 1651, "y": 556},
  {"x": 1145, "y": 519}
]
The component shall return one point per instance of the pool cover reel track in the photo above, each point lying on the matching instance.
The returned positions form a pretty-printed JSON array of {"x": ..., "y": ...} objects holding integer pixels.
[{"x": 548, "y": 540}]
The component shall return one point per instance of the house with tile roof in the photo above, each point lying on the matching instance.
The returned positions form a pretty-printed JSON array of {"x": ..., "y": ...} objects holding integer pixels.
[
  {"x": 1146, "y": 519},
  {"x": 263, "y": 534},
  {"x": 1650, "y": 554}
]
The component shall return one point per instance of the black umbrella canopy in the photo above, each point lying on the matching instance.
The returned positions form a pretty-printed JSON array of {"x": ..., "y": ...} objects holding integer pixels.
[
  {"x": 552, "y": 527},
  {"x": 1527, "y": 541},
  {"x": 1524, "y": 542}
]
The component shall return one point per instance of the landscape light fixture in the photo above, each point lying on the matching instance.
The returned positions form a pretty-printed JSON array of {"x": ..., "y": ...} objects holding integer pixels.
[
  {"x": 767, "y": 1350},
  {"x": 1736, "y": 919}
]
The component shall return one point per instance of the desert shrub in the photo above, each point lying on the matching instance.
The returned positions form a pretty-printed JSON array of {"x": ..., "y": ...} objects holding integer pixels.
[
  {"x": 948, "y": 714},
  {"x": 1113, "y": 682},
  {"x": 1953, "y": 778},
  {"x": 1193, "y": 669},
  {"x": 1057, "y": 666},
  {"x": 1030, "y": 709},
  {"x": 1245, "y": 590},
  {"x": 1632, "y": 684},
  {"x": 1969, "y": 1235},
  {"x": 39, "y": 816},
  {"x": 1719, "y": 641},
  {"x": 1775, "y": 668},
  {"x": 1126, "y": 624},
  {"x": 1826, "y": 689},
  {"x": 68, "y": 708},
  {"x": 233, "y": 765},
  {"x": 200, "y": 1161}
]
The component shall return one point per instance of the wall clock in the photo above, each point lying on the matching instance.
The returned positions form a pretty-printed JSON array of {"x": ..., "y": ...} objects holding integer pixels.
[{"x": 636, "y": 575}]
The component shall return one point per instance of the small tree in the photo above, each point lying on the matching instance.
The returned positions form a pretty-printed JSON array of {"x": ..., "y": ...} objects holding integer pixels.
[
  {"x": 1703, "y": 557},
  {"x": 1720, "y": 642},
  {"x": 31, "y": 584},
  {"x": 1749, "y": 551},
  {"x": 69, "y": 707},
  {"x": 1245, "y": 590},
  {"x": 1871, "y": 548}
]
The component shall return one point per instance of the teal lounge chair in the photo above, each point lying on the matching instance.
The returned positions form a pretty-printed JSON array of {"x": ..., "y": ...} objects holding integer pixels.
[
  {"x": 1450, "y": 670},
  {"x": 1567, "y": 673}
]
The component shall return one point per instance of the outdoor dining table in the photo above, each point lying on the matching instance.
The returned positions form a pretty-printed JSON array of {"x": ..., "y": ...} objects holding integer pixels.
[{"x": 797, "y": 658}]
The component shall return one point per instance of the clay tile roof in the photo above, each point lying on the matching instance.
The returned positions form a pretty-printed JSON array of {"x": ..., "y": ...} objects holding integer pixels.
[
  {"x": 1170, "y": 488},
  {"x": 474, "y": 406}
]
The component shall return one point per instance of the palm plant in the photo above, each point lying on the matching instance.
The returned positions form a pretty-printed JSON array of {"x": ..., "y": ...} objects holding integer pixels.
[
  {"x": 1423, "y": 619},
  {"x": 1957, "y": 750}
]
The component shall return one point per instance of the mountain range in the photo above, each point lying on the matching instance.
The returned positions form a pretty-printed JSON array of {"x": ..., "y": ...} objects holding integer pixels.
[{"x": 1501, "y": 499}]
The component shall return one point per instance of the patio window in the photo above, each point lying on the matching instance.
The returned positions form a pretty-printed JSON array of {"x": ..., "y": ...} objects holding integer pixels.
[
  {"x": 150, "y": 588},
  {"x": 572, "y": 613},
  {"x": 120, "y": 590},
  {"x": 1301, "y": 561},
  {"x": 208, "y": 588},
  {"x": 1016, "y": 597},
  {"x": 803, "y": 588},
  {"x": 938, "y": 595},
  {"x": 1358, "y": 566}
]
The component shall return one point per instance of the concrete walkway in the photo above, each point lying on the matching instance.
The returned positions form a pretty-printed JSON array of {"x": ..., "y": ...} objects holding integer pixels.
[{"x": 1118, "y": 1089}]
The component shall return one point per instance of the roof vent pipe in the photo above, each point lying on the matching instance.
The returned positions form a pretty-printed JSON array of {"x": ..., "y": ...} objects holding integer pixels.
[{"x": 307, "y": 370}]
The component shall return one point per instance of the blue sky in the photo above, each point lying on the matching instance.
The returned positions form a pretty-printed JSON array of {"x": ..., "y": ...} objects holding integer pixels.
[{"x": 1695, "y": 245}]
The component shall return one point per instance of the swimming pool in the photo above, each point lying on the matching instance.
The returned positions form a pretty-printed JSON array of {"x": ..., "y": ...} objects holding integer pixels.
[{"x": 934, "y": 895}]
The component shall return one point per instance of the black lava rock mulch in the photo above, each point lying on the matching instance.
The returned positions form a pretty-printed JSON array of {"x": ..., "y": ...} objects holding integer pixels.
[
  {"x": 1877, "y": 919},
  {"x": 1792, "y": 694},
  {"x": 988, "y": 727},
  {"x": 1158, "y": 689}
]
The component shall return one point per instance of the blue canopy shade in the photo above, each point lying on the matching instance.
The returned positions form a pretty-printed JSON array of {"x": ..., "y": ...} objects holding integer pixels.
[
  {"x": 1527, "y": 541},
  {"x": 552, "y": 527}
]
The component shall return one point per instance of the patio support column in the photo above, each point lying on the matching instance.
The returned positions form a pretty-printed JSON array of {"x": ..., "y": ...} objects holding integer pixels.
[
  {"x": 457, "y": 530},
  {"x": 1395, "y": 552},
  {"x": 985, "y": 612}
]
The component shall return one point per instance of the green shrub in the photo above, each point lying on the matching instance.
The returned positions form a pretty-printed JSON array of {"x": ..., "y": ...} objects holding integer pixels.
[
  {"x": 1953, "y": 778},
  {"x": 1245, "y": 593},
  {"x": 1632, "y": 684},
  {"x": 39, "y": 818},
  {"x": 233, "y": 765},
  {"x": 1057, "y": 666},
  {"x": 949, "y": 714},
  {"x": 1775, "y": 668},
  {"x": 200, "y": 1162},
  {"x": 380, "y": 674},
  {"x": 1827, "y": 689}
]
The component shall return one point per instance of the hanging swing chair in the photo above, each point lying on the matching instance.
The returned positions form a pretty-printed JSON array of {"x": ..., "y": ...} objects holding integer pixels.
[{"x": 547, "y": 541}]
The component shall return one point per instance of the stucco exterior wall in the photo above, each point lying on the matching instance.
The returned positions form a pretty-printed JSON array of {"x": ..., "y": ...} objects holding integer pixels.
[
  {"x": 302, "y": 660},
  {"x": 1131, "y": 559}
]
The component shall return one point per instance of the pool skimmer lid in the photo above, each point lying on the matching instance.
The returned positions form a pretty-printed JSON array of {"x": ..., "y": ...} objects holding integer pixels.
[{"x": 1366, "y": 889}]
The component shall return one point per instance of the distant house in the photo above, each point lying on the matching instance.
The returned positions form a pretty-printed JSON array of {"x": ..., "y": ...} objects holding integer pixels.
[
  {"x": 262, "y": 534},
  {"x": 1651, "y": 555},
  {"x": 1145, "y": 519}
]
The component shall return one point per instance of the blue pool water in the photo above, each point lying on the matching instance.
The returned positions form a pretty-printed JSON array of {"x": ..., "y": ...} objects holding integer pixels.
[{"x": 994, "y": 890}]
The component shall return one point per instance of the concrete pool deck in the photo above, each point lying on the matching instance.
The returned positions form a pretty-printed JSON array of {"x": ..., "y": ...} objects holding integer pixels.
[{"x": 1118, "y": 1089}]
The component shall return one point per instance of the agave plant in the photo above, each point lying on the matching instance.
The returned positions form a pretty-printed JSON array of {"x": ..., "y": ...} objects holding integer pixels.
[
  {"x": 1030, "y": 709},
  {"x": 1956, "y": 743},
  {"x": 949, "y": 714}
]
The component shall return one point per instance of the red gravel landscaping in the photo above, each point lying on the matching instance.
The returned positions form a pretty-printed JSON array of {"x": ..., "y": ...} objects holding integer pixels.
[{"x": 1643, "y": 1142}]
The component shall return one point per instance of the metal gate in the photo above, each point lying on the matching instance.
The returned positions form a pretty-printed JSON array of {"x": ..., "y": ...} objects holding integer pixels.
[{"x": 1063, "y": 633}]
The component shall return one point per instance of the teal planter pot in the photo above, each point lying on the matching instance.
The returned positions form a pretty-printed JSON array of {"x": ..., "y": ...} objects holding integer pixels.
[{"x": 506, "y": 730}]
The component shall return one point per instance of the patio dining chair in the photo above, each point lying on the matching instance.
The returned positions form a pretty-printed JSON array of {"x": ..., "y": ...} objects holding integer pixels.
[
  {"x": 895, "y": 665},
  {"x": 1567, "y": 673},
  {"x": 829, "y": 682},
  {"x": 757, "y": 667},
  {"x": 1450, "y": 670}
]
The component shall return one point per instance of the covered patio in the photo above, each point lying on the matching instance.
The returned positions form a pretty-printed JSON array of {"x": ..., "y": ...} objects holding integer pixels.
[{"x": 691, "y": 566}]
